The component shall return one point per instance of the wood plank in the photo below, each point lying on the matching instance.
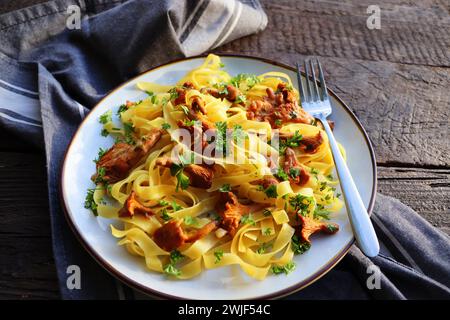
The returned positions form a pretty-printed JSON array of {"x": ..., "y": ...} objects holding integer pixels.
[
  {"x": 26, "y": 258},
  {"x": 425, "y": 190},
  {"x": 410, "y": 33}
]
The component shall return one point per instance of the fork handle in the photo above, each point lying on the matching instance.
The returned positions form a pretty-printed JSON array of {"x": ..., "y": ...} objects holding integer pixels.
[{"x": 359, "y": 218}]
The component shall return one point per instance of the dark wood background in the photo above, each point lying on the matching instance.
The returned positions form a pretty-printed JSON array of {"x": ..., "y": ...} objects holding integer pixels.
[{"x": 396, "y": 80}]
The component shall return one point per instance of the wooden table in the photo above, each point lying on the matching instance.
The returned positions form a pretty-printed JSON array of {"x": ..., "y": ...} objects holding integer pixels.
[{"x": 396, "y": 79}]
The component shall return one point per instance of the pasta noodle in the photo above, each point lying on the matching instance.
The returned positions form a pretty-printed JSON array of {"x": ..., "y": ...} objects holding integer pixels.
[{"x": 259, "y": 186}]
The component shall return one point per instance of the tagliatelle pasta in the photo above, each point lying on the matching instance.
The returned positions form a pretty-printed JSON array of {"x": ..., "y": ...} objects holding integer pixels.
[{"x": 216, "y": 170}]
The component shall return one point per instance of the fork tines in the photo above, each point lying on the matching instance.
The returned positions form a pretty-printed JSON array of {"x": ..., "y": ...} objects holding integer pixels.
[{"x": 312, "y": 90}]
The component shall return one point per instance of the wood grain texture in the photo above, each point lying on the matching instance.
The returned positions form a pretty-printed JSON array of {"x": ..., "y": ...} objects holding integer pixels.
[{"x": 26, "y": 259}]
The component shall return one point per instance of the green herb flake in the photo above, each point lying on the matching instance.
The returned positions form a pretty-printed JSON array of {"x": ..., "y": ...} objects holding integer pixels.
[
  {"x": 106, "y": 117},
  {"x": 271, "y": 191},
  {"x": 171, "y": 270},
  {"x": 218, "y": 254},
  {"x": 248, "y": 219},
  {"x": 286, "y": 269},
  {"x": 299, "y": 246},
  {"x": 225, "y": 188},
  {"x": 89, "y": 202},
  {"x": 165, "y": 126}
]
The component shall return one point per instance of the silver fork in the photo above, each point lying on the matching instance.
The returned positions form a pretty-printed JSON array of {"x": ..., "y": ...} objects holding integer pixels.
[{"x": 317, "y": 103}]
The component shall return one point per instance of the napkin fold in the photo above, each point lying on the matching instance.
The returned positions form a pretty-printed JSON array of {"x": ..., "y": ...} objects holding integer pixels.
[{"x": 54, "y": 70}]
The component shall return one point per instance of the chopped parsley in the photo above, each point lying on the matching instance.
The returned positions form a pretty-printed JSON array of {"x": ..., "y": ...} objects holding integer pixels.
[
  {"x": 239, "y": 134},
  {"x": 267, "y": 231},
  {"x": 301, "y": 203},
  {"x": 249, "y": 79},
  {"x": 171, "y": 270},
  {"x": 122, "y": 108},
  {"x": 104, "y": 133},
  {"x": 218, "y": 254},
  {"x": 101, "y": 152},
  {"x": 176, "y": 206},
  {"x": 176, "y": 170},
  {"x": 294, "y": 172},
  {"x": 163, "y": 203},
  {"x": 240, "y": 98},
  {"x": 89, "y": 202},
  {"x": 154, "y": 99},
  {"x": 225, "y": 188},
  {"x": 314, "y": 171},
  {"x": 164, "y": 215},
  {"x": 165, "y": 126},
  {"x": 278, "y": 122},
  {"x": 281, "y": 174},
  {"x": 221, "y": 139},
  {"x": 299, "y": 246},
  {"x": 286, "y": 269},
  {"x": 271, "y": 191},
  {"x": 129, "y": 130},
  {"x": 190, "y": 221},
  {"x": 331, "y": 227},
  {"x": 106, "y": 117},
  {"x": 100, "y": 174},
  {"x": 173, "y": 93},
  {"x": 248, "y": 219},
  {"x": 321, "y": 213},
  {"x": 262, "y": 249},
  {"x": 175, "y": 256}
]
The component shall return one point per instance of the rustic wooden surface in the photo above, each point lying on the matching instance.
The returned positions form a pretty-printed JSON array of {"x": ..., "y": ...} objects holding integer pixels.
[{"x": 395, "y": 79}]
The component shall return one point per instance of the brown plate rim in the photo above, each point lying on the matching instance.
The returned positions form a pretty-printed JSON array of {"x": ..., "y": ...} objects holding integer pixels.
[{"x": 281, "y": 293}]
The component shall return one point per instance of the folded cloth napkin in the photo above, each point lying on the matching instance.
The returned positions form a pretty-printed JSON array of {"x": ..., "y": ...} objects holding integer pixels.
[{"x": 53, "y": 72}]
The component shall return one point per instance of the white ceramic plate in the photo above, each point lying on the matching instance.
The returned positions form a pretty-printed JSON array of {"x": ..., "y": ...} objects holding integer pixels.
[{"x": 223, "y": 283}]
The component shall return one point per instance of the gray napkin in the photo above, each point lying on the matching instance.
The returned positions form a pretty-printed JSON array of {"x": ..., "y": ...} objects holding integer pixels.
[{"x": 52, "y": 74}]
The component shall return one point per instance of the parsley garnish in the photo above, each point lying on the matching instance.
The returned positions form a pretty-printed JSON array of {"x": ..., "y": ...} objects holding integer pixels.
[
  {"x": 267, "y": 231},
  {"x": 165, "y": 126},
  {"x": 164, "y": 215},
  {"x": 221, "y": 139},
  {"x": 225, "y": 188},
  {"x": 89, "y": 202},
  {"x": 106, "y": 117},
  {"x": 298, "y": 246},
  {"x": 101, "y": 152},
  {"x": 190, "y": 221},
  {"x": 173, "y": 93},
  {"x": 163, "y": 203},
  {"x": 271, "y": 191},
  {"x": 129, "y": 130},
  {"x": 281, "y": 174},
  {"x": 248, "y": 219},
  {"x": 171, "y": 270},
  {"x": 286, "y": 269},
  {"x": 218, "y": 254},
  {"x": 104, "y": 132},
  {"x": 122, "y": 108},
  {"x": 300, "y": 203},
  {"x": 294, "y": 172},
  {"x": 238, "y": 134},
  {"x": 320, "y": 212},
  {"x": 176, "y": 170}
]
